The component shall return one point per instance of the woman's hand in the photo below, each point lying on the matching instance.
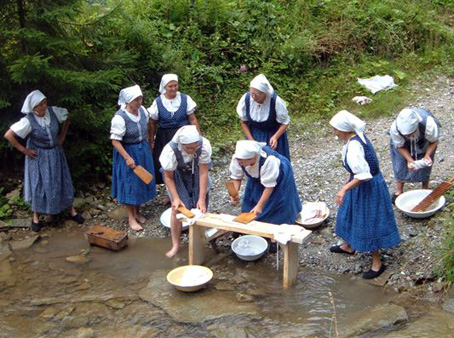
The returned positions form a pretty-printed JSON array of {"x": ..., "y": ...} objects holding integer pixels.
[
  {"x": 30, "y": 153},
  {"x": 273, "y": 142},
  {"x": 234, "y": 199},
  {"x": 411, "y": 166},
  {"x": 257, "y": 209},
  {"x": 428, "y": 160},
  {"x": 201, "y": 205},
  {"x": 339, "y": 199},
  {"x": 176, "y": 203},
  {"x": 130, "y": 162}
]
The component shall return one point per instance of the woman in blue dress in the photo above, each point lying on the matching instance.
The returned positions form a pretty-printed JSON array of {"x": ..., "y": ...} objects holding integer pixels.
[
  {"x": 270, "y": 190},
  {"x": 365, "y": 219},
  {"x": 414, "y": 137},
  {"x": 128, "y": 132},
  {"x": 170, "y": 111},
  {"x": 47, "y": 181},
  {"x": 185, "y": 164},
  {"x": 264, "y": 116}
]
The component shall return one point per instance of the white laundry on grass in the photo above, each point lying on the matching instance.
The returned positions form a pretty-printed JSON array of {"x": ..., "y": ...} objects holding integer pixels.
[{"x": 377, "y": 83}]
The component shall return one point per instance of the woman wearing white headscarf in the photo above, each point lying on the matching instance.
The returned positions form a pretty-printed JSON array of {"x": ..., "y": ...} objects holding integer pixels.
[
  {"x": 47, "y": 180},
  {"x": 365, "y": 219},
  {"x": 128, "y": 132},
  {"x": 170, "y": 111},
  {"x": 270, "y": 190},
  {"x": 264, "y": 116},
  {"x": 185, "y": 163},
  {"x": 413, "y": 137}
]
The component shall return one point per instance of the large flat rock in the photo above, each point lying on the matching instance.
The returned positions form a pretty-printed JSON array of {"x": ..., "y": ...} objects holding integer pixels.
[{"x": 195, "y": 307}]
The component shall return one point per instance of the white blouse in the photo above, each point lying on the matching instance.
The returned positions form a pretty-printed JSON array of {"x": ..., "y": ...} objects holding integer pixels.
[
  {"x": 168, "y": 158},
  {"x": 260, "y": 112},
  {"x": 171, "y": 105},
  {"x": 118, "y": 124},
  {"x": 431, "y": 133},
  {"x": 268, "y": 173},
  {"x": 356, "y": 160},
  {"x": 23, "y": 127}
]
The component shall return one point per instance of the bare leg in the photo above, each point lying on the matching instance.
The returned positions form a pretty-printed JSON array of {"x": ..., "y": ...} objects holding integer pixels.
[
  {"x": 346, "y": 247},
  {"x": 425, "y": 184},
  {"x": 376, "y": 261},
  {"x": 72, "y": 211},
  {"x": 139, "y": 218},
  {"x": 175, "y": 228},
  {"x": 132, "y": 218},
  {"x": 35, "y": 217},
  {"x": 400, "y": 188}
]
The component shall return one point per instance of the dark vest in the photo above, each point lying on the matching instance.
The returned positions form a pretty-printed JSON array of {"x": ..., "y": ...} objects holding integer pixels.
[
  {"x": 178, "y": 119},
  {"x": 136, "y": 132},
  {"x": 269, "y": 124}
]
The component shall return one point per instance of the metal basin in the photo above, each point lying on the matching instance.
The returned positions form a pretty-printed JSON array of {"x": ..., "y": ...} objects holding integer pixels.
[
  {"x": 408, "y": 200},
  {"x": 249, "y": 247}
]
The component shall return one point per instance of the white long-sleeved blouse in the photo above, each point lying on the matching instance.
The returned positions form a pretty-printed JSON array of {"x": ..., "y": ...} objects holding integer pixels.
[
  {"x": 260, "y": 112},
  {"x": 171, "y": 105}
]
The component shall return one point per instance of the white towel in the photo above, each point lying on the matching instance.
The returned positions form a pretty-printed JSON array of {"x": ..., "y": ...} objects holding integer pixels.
[{"x": 285, "y": 232}]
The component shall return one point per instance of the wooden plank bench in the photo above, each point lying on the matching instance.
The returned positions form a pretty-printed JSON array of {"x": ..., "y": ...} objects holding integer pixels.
[{"x": 267, "y": 230}]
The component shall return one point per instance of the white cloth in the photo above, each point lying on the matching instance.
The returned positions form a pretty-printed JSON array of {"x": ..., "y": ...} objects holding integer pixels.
[
  {"x": 285, "y": 232},
  {"x": 118, "y": 124},
  {"x": 169, "y": 162},
  {"x": 356, "y": 160},
  {"x": 31, "y": 101},
  {"x": 431, "y": 133},
  {"x": 362, "y": 100},
  {"x": 247, "y": 149},
  {"x": 347, "y": 122},
  {"x": 377, "y": 83},
  {"x": 23, "y": 127},
  {"x": 407, "y": 121},
  {"x": 186, "y": 135},
  {"x": 261, "y": 112},
  {"x": 268, "y": 173},
  {"x": 260, "y": 82},
  {"x": 190, "y": 221},
  {"x": 166, "y": 78},
  {"x": 171, "y": 105},
  {"x": 128, "y": 94}
]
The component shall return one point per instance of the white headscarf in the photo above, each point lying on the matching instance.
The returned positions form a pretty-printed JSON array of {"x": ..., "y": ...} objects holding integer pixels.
[
  {"x": 166, "y": 78},
  {"x": 186, "y": 135},
  {"x": 346, "y": 121},
  {"x": 407, "y": 121},
  {"x": 128, "y": 94},
  {"x": 261, "y": 83},
  {"x": 247, "y": 149},
  {"x": 31, "y": 101}
]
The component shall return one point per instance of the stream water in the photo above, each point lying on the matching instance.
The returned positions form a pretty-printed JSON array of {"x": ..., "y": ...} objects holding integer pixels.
[{"x": 125, "y": 294}]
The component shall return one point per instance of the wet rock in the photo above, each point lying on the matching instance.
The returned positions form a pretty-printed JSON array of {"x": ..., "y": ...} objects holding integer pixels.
[
  {"x": 85, "y": 332},
  {"x": 367, "y": 321},
  {"x": 238, "y": 279},
  {"x": 5, "y": 251},
  {"x": 448, "y": 305},
  {"x": 244, "y": 298},
  {"x": 80, "y": 259},
  {"x": 118, "y": 214},
  {"x": 7, "y": 278},
  {"x": 223, "y": 286},
  {"x": 82, "y": 287},
  {"x": 49, "y": 313},
  {"x": 115, "y": 304},
  {"x": 23, "y": 244},
  {"x": 66, "y": 280}
]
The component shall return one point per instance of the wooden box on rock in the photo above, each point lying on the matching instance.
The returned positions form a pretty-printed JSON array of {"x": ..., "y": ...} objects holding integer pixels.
[{"x": 106, "y": 237}]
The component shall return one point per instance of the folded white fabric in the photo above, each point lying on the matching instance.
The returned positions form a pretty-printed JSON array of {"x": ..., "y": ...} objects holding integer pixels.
[
  {"x": 285, "y": 232},
  {"x": 420, "y": 164},
  {"x": 377, "y": 83},
  {"x": 190, "y": 221},
  {"x": 362, "y": 100}
]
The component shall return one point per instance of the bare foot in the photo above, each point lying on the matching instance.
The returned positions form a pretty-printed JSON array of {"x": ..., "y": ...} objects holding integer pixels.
[
  {"x": 172, "y": 252},
  {"x": 135, "y": 226},
  {"x": 140, "y": 218}
]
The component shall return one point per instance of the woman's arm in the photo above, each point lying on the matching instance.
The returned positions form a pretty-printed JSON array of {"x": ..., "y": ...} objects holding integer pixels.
[
  {"x": 193, "y": 120},
  {"x": 275, "y": 138},
  {"x": 246, "y": 130},
  {"x": 261, "y": 203},
  {"x": 11, "y": 137},
  {"x": 430, "y": 149},
  {"x": 129, "y": 160},
  {"x": 64, "y": 130},
  {"x": 203, "y": 186},
  {"x": 406, "y": 154},
  {"x": 152, "y": 124},
  {"x": 350, "y": 185}
]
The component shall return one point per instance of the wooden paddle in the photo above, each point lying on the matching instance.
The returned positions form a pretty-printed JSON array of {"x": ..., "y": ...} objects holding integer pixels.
[
  {"x": 433, "y": 196},
  {"x": 245, "y": 217},
  {"x": 185, "y": 211},
  {"x": 143, "y": 174}
]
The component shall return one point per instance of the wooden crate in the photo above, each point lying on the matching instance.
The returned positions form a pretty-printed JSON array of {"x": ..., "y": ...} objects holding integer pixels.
[{"x": 106, "y": 237}]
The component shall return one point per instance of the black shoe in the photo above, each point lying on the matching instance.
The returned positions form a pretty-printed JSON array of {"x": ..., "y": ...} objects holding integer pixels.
[
  {"x": 36, "y": 227},
  {"x": 338, "y": 249},
  {"x": 393, "y": 198},
  {"x": 78, "y": 218},
  {"x": 371, "y": 274},
  {"x": 273, "y": 247}
]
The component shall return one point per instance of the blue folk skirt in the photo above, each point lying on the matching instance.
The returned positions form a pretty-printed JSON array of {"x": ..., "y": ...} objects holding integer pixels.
[
  {"x": 401, "y": 172},
  {"x": 47, "y": 181},
  {"x": 366, "y": 218},
  {"x": 283, "y": 206},
  {"x": 127, "y": 187},
  {"x": 264, "y": 136}
]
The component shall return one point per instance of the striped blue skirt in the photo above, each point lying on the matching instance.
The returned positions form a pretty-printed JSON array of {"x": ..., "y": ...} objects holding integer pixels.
[
  {"x": 366, "y": 218},
  {"x": 47, "y": 181},
  {"x": 127, "y": 187}
]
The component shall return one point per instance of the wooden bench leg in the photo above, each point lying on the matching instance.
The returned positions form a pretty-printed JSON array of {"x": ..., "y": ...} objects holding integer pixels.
[
  {"x": 196, "y": 244},
  {"x": 290, "y": 264}
]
